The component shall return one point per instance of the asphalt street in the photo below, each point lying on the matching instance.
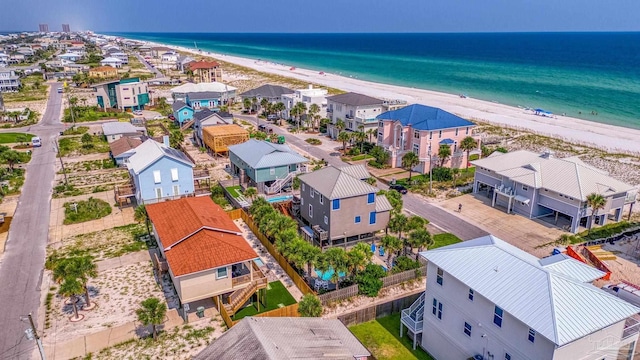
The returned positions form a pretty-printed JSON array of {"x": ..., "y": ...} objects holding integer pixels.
[{"x": 22, "y": 264}]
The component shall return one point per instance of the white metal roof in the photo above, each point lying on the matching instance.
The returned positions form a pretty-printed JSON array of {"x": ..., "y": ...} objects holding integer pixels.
[
  {"x": 202, "y": 87},
  {"x": 110, "y": 60},
  {"x": 151, "y": 151},
  {"x": 569, "y": 176},
  {"x": 556, "y": 305},
  {"x": 567, "y": 265}
]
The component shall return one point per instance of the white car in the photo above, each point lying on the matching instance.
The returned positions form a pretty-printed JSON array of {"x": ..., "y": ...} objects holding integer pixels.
[
  {"x": 137, "y": 112},
  {"x": 158, "y": 117}
]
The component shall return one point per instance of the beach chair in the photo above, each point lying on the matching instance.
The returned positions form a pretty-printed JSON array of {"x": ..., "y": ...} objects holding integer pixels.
[
  {"x": 381, "y": 250},
  {"x": 324, "y": 285},
  {"x": 373, "y": 248}
]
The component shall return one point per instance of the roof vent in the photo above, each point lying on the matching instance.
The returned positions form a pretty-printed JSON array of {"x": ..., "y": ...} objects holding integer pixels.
[
  {"x": 495, "y": 269},
  {"x": 547, "y": 154}
]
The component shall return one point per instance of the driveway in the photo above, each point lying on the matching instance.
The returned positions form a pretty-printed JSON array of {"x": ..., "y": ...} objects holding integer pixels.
[
  {"x": 23, "y": 261},
  {"x": 148, "y": 66},
  {"x": 413, "y": 203}
]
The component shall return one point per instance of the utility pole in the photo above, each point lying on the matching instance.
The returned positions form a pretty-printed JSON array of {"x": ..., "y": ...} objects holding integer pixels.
[
  {"x": 64, "y": 172},
  {"x": 430, "y": 172},
  {"x": 32, "y": 334}
]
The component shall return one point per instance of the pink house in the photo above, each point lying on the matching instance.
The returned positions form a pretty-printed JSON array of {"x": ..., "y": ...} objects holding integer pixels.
[{"x": 423, "y": 129}]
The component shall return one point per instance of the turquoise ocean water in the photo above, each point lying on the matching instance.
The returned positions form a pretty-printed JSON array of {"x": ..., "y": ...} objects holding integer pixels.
[{"x": 593, "y": 76}]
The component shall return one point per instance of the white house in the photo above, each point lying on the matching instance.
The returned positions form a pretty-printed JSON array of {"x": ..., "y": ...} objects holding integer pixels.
[
  {"x": 488, "y": 298},
  {"x": 122, "y": 56},
  {"x": 307, "y": 96},
  {"x": 169, "y": 58},
  {"x": 111, "y": 61},
  {"x": 70, "y": 56}
]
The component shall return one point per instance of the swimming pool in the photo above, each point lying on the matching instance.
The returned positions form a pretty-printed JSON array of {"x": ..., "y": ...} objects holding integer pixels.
[
  {"x": 280, "y": 198},
  {"x": 258, "y": 262},
  {"x": 328, "y": 274}
]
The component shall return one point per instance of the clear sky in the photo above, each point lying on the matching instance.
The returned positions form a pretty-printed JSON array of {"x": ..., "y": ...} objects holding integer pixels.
[{"x": 323, "y": 15}]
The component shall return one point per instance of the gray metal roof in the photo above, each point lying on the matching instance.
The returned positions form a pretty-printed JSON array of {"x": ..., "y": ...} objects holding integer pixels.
[
  {"x": 382, "y": 204},
  {"x": 358, "y": 171},
  {"x": 203, "y": 114},
  {"x": 178, "y": 105},
  {"x": 203, "y": 87},
  {"x": 118, "y": 127},
  {"x": 263, "y": 154},
  {"x": 266, "y": 338},
  {"x": 553, "y": 303},
  {"x": 267, "y": 91},
  {"x": 204, "y": 95},
  {"x": 568, "y": 176},
  {"x": 333, "y": 183},
  {"x": 355, "y": 99},
  {"x": 151, "y": 151}
]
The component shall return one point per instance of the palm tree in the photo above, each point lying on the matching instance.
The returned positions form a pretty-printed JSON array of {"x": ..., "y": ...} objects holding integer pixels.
[
  {"x": 152, "y": 312},
  {"x": 419, "y": 239},
  {"x": 360, "y": 136},
  {"x": 444, "y": 152},
  {"x": 409, "y": 161},
  {"x": 251, "y": 192},
  {"x": 246, "y": 103},
  {"x": 254, "y": 104},
  {"x": 391, "y": 245},
  {"x": 467, "y": 144},
  {"x": 302, "y": 110},
  {"x": 264, "y": 104},
  {"x": 344, "y": 137},
  {"x": 71, "y": 288},
  {"x": 309, "y": 254},
  {"x": 340, "y": 125},
  {"x": 596, "y": 202},
  {"x": 310, "y": 306},
  {"x": 339, "y": 262},
  {"x": 279, "y": 108},
  {"x": 359, "y": 257},
  {"x": 80, "y": 268},
  {"x": 398, "y": 224},
  {"x": 314, "y": 111},
  {"x": 371, "y": 132}
]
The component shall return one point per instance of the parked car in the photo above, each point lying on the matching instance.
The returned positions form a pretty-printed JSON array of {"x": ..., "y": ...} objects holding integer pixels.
[
  {"x": 272, "y": 117},
  {"x": 265, "y": 129},
  {"x": 158, "y": 117},
  {"x": 399, "y": 188},
  {"x": 172, "y": 117},
  {"x": 137, "y": 112}
]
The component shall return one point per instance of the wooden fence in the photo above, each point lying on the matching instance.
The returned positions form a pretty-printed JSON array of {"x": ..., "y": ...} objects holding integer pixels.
[
  {"x": 293, "y": 274},
  {"x": 401, "y": 277},
  {"x": 286, "y": 311},
  {"x": 340, "y": 294},
  {"x": 235, "y": 214},
  {"x": 375, "y": 311},
  {"x": 223, "y": 312}
]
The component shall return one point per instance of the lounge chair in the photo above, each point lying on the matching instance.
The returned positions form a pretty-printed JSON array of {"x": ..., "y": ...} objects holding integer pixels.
[{"x": 381, "y": 250}]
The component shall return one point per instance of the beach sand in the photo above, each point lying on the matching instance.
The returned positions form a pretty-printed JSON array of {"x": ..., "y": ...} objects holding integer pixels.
[{"x": 609, "y": 137}]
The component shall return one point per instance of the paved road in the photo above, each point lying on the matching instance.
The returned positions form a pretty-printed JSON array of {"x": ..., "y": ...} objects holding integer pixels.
[
  {"x": 23, "y": 261},
  {"x": 149, "y": 67},
  {"x": 413, "y": 203}
]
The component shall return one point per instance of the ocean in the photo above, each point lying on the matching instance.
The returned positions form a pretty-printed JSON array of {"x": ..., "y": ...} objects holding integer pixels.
[{"x": 593, "y": 76}]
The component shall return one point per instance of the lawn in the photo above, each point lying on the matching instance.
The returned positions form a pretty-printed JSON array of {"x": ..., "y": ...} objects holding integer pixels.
[
  {"x": 234, "y": 191},
  {"x": 92, "y": 113},
  {"x": 33, "y": 89},
  {"x": 72, "y": 145},
  {"x": 277, "y": 296},
  {"x": 382, "y": 338},
  {"x": 8, "y": 138},
  {"x": 444, "y": 240},
  {"x": 87, "y": 210}
]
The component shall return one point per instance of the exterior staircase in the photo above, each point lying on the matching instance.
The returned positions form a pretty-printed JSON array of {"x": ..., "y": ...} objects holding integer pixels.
[
  {"x": 186, "y": 125},
  {"x": 238, "y": 298},
  {"x": 412, "y": 318},
  {"x": 280, "y": 183}
]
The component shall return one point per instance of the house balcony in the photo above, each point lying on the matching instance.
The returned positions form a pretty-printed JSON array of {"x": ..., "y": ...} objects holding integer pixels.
[
  {"x": 201, "y": 188},
  {"x": 631, "y": 327},
  {"x": 348, "y": 116},
  {"x": 201, "y": 174}
]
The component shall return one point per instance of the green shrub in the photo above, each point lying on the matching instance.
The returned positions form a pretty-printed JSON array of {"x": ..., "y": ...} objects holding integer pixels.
[
  {"x": 86, "y": 210},
  {"x": 403, "y": 263},
  {"x": 607, "y": 230},
  {"x": 368, "y": 280},
  {"x": 314, "y": 141},
  {"x": 474, "y": 157},
  {"x": 442, "y": 174}
]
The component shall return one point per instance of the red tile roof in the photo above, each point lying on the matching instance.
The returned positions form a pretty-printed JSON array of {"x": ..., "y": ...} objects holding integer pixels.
[
  {"x": 209, "y": 237},
  {"x": 203, "y": 65}
]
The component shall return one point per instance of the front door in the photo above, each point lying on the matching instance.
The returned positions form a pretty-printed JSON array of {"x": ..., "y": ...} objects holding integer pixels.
[{"x": 176, "y": 190}]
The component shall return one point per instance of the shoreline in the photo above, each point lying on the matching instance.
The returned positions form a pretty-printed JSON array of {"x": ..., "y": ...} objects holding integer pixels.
[{"x": 610, "y": 137}]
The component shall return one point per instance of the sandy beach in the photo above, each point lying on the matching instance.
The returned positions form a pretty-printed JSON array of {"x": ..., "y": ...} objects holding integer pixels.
[{"x": 610, "y": 137}]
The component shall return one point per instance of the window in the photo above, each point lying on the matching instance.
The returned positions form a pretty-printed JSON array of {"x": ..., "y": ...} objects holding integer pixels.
[
  {"x": 371, "y": 198},
  {"x": 222, "y": 273},
  {"x": 532, "y": 335},
  {"x": 416, "y": 149},
  {"x": 321, "y": 198},
  {"x": 440, "y": 134},
  {"x": 326, "y": 220},
  {"x": 430, "y": 135},
  {"x": 372, "y": 218},
  {"x": 471, "y": 294},
  {"x": 524, "y": 188},
  {"x": 507, "y": 356},
  {"x": 127, "y": 98},
  {"x": 158, "y": 193},
  {"x": 437, "y": 309},
  {"x": 440, "y": 276},
  {"x": 174, "y": 174},
  {"x": 335, "y": 204},
  {"x": 311, "y": 192},
  {"x": 185, "y": 112},
  {"x": 272, "y": 171},
  {"x": 156, "y": 177},
  {"x": 467, "y": 132},
  {"x": 467, "y": 329},
  {"x": 497, "y": 316},
  {"x": 416, "y": 134},
  {"x": 357, "y": 219},
  {"x": 310, "y": 210},
  {"x": 456, "y": 131},
  {"x": 301, "y": 201},
  {"x": 176, "y": 189},
  {"x": 302, "y": 186}
]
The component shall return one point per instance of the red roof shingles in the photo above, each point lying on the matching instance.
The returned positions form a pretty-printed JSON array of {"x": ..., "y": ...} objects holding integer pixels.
[
  {"x": 193, "y": 219},
  {"x": 202, "y": 65}
]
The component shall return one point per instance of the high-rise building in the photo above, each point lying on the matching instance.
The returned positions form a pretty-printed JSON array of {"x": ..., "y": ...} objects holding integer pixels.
[
  {"x": 43, "y": 28},
  {"x": 65, "y": 28}
]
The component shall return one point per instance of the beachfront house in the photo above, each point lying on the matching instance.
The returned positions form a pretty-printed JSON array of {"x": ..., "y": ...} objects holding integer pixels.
[
  {"x": 168, "y": 59},
  {"x": 182, "y": 112},
  {"x": 206, "y": 256},
  {"x": 542, "y": 186},
  {"x": 122, "y": 149},
  {"x": 183, "y": 62},
  {"x": 306, "y": 96},
  {"x": 9, "y": 81},
  {"x": 485, "y": 298},
  {"x": 354, "y": 110},
  {"x": 159, "y": 172},
  {"x": 111, "y": 61},
  {"x": 206, "y": 118},
  {"x": 105, "y": 72},
  {"x": 157, "y": 51},
  {"x": 205, "y": 71},
  {"x": 340, "y": 208},
  {"x": 273, "y": 93},
  {"x": 270, "y": 338},
  {"x": 204, "y": 95},
  {"x": 423, "y": 129},
  {"x": 267, "y": 166},
  {"x": 70, "y": 56},
  {"x": 124, "y": 94},
  {"x": 115, "y": 130}
]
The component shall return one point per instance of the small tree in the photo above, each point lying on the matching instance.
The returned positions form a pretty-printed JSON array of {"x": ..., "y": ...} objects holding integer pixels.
[
  {"x": 344, "y": 137},
  {"x": 391, "y": 244},
  {"x": 310, "y": 306},
  {"x": 369, "y": 282},
  {"x": 71, "y": 288},
  {"x": 246, "y": 103},
  {"x": 251, "y": 192},
  {"x": 444, "y": 153},
  {"x": 370, "y": 133},
  {"x": 409, "y": 161},
  {"x": 419, "y": 239},
  {"x": 140, "y": 215},
  {"x": 152, "y": 312},
  {"x": 11, "y": 158},
  {"x": 467, "y": 144},
  {"x": 339, "y": 262},
  {"x": 596, "y": 202}
]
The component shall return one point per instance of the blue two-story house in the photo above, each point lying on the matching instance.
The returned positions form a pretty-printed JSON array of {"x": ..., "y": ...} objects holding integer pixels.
[
  {"x": 182, "y": 112},
  {"x": 159, "y": 172}
]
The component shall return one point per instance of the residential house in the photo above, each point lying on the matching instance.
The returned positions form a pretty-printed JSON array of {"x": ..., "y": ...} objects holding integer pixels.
[
  {"x": 273, "y": 93},
  {"x": 542, "y": 186},
  {"x": 103, "y": 72},
  {"x": 206, "y": 118},
  {"x": 182, "y": 112},
  {"x": 340, "y": 208},
  {"x": 487, "y": 298},
  {"x": 4, "y": 59},
  {"x": 355, "y": 110},
  {"x": 204, "y": 95},
  {"x": 122, "y": 149},
  {"x": 276, "y": 338},
  {"x": 219, "y": 138},
  {"x": 26, "y": 51},
  {"x": 123, "y": 94},
  {"x": 422, "y": 130},
  {"x": 206, "y": 255},
  {"x": 205, "y": 71},
  {"x": 115, "y": 130},
  {"x": 183, "y": 61},
  {"x": 168, "y": 60},
  {"x": 123, "y": 57},
  {"x": 111, "y": 61},
  {"x": 9, "y": 81},
  {"x": 307, "y": 96},
  {"x": 70, "y": 56},
  {"x": 267, "y": 166},
  {"x": 16, "y": 58},
  {"x": 159, "y": 172},
  {"x": 157, "y": 51}
]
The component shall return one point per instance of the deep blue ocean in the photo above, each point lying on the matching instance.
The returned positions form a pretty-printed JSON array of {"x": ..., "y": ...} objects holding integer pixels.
[{"x": 594, "y": 76}]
